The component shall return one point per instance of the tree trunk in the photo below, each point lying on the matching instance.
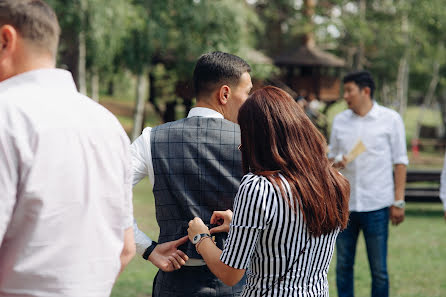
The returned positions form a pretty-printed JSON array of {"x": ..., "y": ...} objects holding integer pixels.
[
  {"x": 403, "y": 69},
  {"x": 95, "y": 85},
  {"x": 360, "y": 54},
  {"x": 152, "y": 95},
  {"x": 82, "y": 72},
  {"x": 309, "y": 7},
  {"x": 385, "y": 94},
  {"x": 428, "y": 100},
  {"x": 111, "y": 87},
  {"x": 169, "y": 113},
  {"x": 138, "y": 118},
  {"x": 402, "y": 84}
]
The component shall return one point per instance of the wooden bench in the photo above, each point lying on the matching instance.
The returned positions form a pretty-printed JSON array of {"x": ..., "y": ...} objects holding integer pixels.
[
  {"x": 432, "y": 144},
  {"x": 423, "y": 193}
]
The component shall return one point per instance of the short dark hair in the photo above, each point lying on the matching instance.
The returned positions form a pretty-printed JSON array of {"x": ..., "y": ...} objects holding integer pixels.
[
  {"x": 217, "y": 68},
  {"x": 34, "y": 20},
  {"x": 362, "y": 79}
]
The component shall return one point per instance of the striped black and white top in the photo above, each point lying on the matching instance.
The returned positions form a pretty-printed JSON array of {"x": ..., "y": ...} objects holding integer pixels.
[{"x": 265, "y": 238}]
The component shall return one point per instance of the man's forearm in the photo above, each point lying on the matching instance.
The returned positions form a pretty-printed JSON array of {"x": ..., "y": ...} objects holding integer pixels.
[
  {"x": 400, "y": 181},
  {"x": 128, "y": 251}
]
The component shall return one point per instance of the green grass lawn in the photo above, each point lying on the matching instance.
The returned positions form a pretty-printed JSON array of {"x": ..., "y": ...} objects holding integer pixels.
[{"x": 417, "y": 254}]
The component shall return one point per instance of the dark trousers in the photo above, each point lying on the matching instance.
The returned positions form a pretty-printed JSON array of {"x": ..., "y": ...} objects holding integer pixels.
[
  {"x": 193, "y": 281},
  {"x": 374, "y": 225}
]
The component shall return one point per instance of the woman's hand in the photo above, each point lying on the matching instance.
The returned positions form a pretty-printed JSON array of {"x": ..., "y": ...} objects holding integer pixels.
[
  {"x": 222, "y": 218},
  {"x": 196, "y": 226}
]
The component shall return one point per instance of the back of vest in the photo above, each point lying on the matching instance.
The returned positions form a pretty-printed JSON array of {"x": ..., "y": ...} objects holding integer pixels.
[{"x": 197, "y": 169}]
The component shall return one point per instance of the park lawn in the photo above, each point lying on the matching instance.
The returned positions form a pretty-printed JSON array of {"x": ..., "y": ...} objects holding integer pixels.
[{"x": 417, "y": 254}]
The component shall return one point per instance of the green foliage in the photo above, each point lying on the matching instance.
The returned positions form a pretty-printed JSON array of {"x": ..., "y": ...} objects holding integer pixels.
[
  {"x": 137, "y": 35},
  {"x": 386, "y": 39},
  {"x": 105, "y": 23},
  {"x": 108, "y": 23},
  {"x": 176, "y": 33}
]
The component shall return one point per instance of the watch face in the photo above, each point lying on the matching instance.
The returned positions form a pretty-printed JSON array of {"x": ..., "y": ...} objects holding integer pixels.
[{"x": 196, "y": 239}]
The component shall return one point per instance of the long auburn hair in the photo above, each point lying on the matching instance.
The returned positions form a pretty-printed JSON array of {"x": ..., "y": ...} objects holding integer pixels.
[{"x": 278, "y": 137}]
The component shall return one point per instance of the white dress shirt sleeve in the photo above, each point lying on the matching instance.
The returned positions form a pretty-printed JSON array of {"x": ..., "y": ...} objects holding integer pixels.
[
  {"x": 142, "y": 167},
  {"x": 128, "y": 203},
  {"x": 142, "y": 241},
  {"x": 443, "y": 184},
  {"x": 8, "y": 177},
  {"x": 142, "y": 158},
  {"x": 398, "y": 142},
  {"x": 333, "y": 145}
]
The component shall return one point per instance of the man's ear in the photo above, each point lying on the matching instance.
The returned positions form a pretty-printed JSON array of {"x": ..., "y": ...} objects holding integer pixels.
[
  {"x": 223, "y": 94},
  {"x": 366, "y": 90},
  {"x": 8, "y": 40}
]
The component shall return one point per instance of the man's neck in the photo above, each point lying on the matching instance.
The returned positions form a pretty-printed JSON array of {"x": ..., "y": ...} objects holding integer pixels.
[
  {"x": 35, "y": 65},
  {"x": 364, "y": 108},
  {"x": 20, "y": 66},
  {"x": 209, "y": 104}
]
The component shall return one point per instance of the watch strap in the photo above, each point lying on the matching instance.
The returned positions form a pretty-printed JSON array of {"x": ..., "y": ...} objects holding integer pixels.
[
  {"x": 149, "y": 250},
  {"x": 399, "y": 203},
  {"x": 201, "y": 236}
]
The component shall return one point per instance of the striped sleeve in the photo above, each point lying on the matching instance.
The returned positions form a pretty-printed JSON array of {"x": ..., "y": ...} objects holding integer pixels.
[{"x": 253, "y": 210}]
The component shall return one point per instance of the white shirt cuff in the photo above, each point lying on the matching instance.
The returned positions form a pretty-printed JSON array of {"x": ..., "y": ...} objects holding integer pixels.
[
  {"x": 401, "y": 160},
  {"x": 142, "y": 241}
]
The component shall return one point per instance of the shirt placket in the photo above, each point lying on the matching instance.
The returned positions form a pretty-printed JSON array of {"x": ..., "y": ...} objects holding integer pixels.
[{"x": 359, "y": 133}]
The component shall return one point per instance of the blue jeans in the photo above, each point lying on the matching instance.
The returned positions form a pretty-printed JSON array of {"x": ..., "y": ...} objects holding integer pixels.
[{"x": 375, "y": 226}]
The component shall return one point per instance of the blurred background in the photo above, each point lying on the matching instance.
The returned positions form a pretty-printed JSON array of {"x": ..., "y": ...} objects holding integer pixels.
[{"x": 136, "y": 58}]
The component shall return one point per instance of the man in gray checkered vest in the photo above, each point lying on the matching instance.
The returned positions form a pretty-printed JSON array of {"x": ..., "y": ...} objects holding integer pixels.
[{"x": 195, "y": 168}]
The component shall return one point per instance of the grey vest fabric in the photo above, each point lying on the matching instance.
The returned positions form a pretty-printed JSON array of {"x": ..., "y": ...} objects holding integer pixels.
[{"x": 197, "y": 169}]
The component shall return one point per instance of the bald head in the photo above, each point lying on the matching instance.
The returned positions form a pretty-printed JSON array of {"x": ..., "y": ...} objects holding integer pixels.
[{"x": 34, "y": 21}]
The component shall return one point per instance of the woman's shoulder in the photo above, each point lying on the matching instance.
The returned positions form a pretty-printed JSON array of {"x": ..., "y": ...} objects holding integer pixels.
[
  {"x": 251, "y": 178},
  {"x": 259, "y": 184}
]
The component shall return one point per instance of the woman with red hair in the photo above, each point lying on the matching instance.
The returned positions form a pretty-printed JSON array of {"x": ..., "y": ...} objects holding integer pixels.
[{"x": 289, "y": 208}]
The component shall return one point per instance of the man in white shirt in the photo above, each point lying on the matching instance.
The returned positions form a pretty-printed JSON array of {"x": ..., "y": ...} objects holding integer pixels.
[
  {"x": 375, "y": 194},
  {"x": 195, "y": 168},
  {"x": 443, "y": 187},
  {"x": 65, "y": 174}
]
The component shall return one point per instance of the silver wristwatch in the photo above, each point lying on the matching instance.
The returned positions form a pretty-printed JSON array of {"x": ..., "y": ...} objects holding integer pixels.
[
  {"x": 197, "y": 237},
  {"x": 399, "y": 203}
]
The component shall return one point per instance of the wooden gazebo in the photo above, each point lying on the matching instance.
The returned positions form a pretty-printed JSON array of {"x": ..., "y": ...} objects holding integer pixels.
[
  {"x": 313, "y": 74},
  {"x": 310, "y": 71}
]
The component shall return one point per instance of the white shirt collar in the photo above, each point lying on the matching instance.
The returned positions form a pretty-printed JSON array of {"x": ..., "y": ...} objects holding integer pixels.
[
  {"x": 204, "y": 112},
  {"x": 373, "y": 112},
  {"x": 46, "y": 78}
]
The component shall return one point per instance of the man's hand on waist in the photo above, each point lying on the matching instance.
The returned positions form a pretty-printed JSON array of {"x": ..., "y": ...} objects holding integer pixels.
[{"x": 167, "y": 257}]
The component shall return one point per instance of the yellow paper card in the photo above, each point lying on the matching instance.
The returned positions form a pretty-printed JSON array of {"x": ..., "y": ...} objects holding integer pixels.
[{"x": 358, "y": 149}]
